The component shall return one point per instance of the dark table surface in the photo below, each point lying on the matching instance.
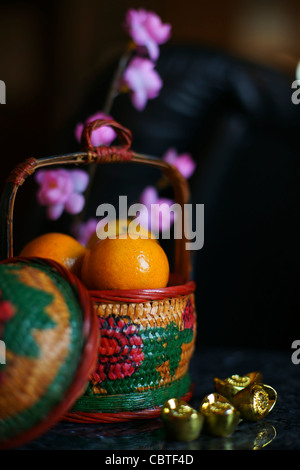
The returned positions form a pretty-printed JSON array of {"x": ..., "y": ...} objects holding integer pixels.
[{"x": 279, "y": 430}]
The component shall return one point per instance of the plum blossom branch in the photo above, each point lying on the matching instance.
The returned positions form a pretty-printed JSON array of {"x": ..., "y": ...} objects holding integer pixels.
[
  {"x": 115, "y": 86},
  {"x": 147, "y": 33},
  {"x": 135, "y": 74}
]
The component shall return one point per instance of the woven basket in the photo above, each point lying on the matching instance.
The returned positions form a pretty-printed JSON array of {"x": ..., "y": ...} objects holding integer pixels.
[
  {"x": 49, "y": 328},
  {"x": 147, "y": 336}
]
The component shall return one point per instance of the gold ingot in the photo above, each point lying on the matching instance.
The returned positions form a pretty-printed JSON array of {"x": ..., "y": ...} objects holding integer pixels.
[
  {"x": 235, "y": 383},
  {"x": 255, "y": 401},
  {"x": 221, "y": 417},
  {"x": 181, "y": 421}
]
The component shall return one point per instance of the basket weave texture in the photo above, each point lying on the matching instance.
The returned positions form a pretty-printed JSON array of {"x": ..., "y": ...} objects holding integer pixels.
[
  {"x": 46, "y": 323},
  {"x": 145, "y": 349}
]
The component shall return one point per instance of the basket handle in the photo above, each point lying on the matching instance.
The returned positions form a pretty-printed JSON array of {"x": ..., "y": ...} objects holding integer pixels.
[{"x": 89, "y": 155}]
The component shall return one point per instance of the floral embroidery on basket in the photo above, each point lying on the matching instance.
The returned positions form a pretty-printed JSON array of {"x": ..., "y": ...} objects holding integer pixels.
[
  {"x": 188, "y": 315},
  {"x": 133, "y": 358},
  {"x": 121, "y": 349}
]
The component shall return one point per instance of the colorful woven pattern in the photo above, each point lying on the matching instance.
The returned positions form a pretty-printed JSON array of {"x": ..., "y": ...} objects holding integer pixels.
[
  {"x": 144, "y": 355},
  {"x": 41, "y": 325}
]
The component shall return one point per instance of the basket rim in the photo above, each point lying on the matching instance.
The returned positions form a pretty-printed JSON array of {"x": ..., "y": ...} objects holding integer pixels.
[
  {"x": 87, "y": 417},
  {"x": 142, "y": 295}
]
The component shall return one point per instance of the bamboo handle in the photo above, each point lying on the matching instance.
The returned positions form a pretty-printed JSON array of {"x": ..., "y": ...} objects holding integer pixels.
[{"x": 99, "y": 155}]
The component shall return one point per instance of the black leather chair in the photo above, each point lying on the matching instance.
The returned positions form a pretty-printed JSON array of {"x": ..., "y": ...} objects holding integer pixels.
[{"x": 238, "y": 121}]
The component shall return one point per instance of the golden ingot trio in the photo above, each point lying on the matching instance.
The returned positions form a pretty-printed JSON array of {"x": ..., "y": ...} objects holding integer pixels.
[{"x": 236, "y": 398}]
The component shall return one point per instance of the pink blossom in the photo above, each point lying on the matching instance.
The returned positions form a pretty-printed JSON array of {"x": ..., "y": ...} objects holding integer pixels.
[
  {"x": 101, "y": 136},
  {"x": 146, "y": 29},
  {"x": 149, "y": 196},
  {"x": 183, "y": 162},
  {"x": 83, "y": 231},
  {"x": 144, "y": 82},
  {"x": 61, "y": 190},
  {"x": 156, "y": 214}
]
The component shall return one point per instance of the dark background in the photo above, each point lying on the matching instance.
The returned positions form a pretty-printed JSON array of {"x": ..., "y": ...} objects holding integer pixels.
[
  {"x": 51, "y": 51},
  {"x": 54, "y": 59}
]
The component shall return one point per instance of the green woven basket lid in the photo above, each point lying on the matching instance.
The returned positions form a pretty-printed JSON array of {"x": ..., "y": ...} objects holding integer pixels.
[{"x": 48, "y": 346}]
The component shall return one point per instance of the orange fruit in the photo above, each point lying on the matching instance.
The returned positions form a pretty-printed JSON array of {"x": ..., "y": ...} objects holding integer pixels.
[
  {"x": 119, "y": 227},
  {"x": 125, "y": 263},
  {"x": 59, "y": 247}
]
